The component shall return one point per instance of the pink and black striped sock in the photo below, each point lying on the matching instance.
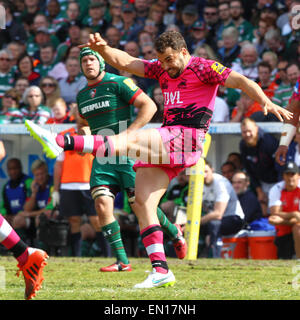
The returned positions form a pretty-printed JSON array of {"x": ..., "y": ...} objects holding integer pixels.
[
  {"x": 11, "y": 241},
  {"x": 152, "y": 238},
  {"x": 99, "y": 146}
]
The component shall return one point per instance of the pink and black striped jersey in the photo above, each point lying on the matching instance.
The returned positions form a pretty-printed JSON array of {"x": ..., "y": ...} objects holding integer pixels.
[{"x": 190, "y": 98}]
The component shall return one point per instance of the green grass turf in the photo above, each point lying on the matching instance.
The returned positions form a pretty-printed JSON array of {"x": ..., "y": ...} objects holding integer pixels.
[{"x": 203, "y": 279}]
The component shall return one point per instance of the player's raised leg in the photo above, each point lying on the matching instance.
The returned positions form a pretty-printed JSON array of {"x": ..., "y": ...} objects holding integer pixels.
[{"x": 31, "y": 261}]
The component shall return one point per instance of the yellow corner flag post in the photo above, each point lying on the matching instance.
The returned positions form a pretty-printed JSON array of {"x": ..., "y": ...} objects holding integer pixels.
[{"x": 194, "y": 203}]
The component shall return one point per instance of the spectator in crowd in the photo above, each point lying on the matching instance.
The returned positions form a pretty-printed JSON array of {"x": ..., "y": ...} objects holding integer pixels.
[
  {"x": 269, "y": 87},
  {"x": 113, "y": 37},
  {"x": 40, "y": 36},
  {"x": 50, "y": 89},
  {"x": 47, "y": 57},
  {"x": 231, "y": 49},
  {"x": 291, "y": 39},
  {"x": 197, "y": 35},
  {"x": 60, "y": 112},
  {"x": 73, "y": 39},
  {"x": 257, "y": 11},
  {"x": 53, "y": 11},
  {"x": 156, "y": 13},
  {"x": 176, "y": 195},
  {"x": 142, "y": 10},
  {"x": 6, "y": 76},
  {"x": 132, "y": 48},
  {"x": 285, "y": 89},
  {"x": 59, "y": 70},
  {"x": 148, "y": 51},
  {"x": 284, "y": 200},
  {"x": 10, "y": 112},
  {"x": 293, "y": 73},
  {"x": 272, "y": 59},
  {"x": 244, "y": 27},
  {"x": 72, "y": 17},
  {"x": 70, "y": 86},
  {"x": 25, "y": 68},
  {"x": 259, "y": 36},
  {"x": 245, "y": 108},
  {"x": 158, "y": 98},
  {"x": 228, "y": 169},
  {"x": 236, "y": 158},
  {"x": 130, "y": 28},
  {"x": 222, "y": 211},
  {"x": 189, "y": 16},
  {"x": 248, "y": 199},
  {"x": 231, "y": 96},
  {"x": 15, "y": 191},
  {"x": 85, "y": 34},
  {"x": 257, "y": 150},
  {"x": 293, "y": 152},
  {"x": 276, "y": 43},
  {"x": 72, "y": 193},
  {"x": 151, "y": 27},
  {"x": 16, "y": 48},
  {"x": 21, "y": 85},
  {"x": 13, "y": 30},
  {"x": 221, "y": 113},
  {"x": 247, "y": 62},
  {"x": 283, "y": 21},
  {"x": 205, "y": 51},
  {"x": 225, "y": 20},
  {"x": 265, "y": 81},
  {"x": 32, "y": 8},
  {"x": 34, "y": 109},
  {"x": 270, "y": 13},
  {"x": 95, "y": 19},
  {"x": 115, "y": 11},
  {"x": 39, "y": 200},
  {"x": 144, "y": 37},
  {"x": 211, "y": 19}
]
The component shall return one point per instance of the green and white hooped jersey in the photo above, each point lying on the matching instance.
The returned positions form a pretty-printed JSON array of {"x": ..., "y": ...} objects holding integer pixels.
[{"x": 107, "y": 105}]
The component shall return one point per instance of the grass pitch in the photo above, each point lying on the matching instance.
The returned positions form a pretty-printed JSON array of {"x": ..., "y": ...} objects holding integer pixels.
[{"x": 203, "y": 279}]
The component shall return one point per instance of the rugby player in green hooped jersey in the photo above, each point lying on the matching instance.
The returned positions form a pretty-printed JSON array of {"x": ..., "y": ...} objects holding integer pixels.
[{"x": 105, "y": 106}]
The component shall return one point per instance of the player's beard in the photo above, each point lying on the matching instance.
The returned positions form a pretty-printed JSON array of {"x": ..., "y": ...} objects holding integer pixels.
[{"x": 180, "y": 69}]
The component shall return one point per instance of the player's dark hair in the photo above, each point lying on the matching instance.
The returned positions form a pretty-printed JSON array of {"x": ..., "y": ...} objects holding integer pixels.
[{"x": 170, "y": 39}]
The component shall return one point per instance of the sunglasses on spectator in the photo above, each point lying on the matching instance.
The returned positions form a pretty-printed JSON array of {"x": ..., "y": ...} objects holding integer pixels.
[
  {"x": 281, "y": 69},
  {"x": 5, "y": 59},
  {"x": 51, "y": 85},
  {"x": 7, "y": 96}
]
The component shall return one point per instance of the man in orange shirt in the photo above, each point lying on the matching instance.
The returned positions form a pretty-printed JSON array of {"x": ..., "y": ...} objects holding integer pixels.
[
  {"x": 72, "y": 172},
  {"x": 245, "y": 107}
]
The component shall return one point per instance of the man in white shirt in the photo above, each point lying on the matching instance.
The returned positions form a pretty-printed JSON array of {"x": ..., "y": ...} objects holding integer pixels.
[{"x": 223, "y": 214}]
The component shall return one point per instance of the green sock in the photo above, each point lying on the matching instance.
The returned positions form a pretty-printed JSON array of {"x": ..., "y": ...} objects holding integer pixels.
[
  {"x": 113, "y": 236},
  {"x": 168, "y": 227}
]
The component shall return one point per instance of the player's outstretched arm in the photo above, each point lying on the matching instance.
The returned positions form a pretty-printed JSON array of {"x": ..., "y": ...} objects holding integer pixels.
[
  {"x": 119, "y": 59},
  {"x": 254, "y": 91}
]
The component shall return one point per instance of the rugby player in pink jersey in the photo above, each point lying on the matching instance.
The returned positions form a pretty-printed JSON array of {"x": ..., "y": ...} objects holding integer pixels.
[{"x": 189, "y": 85}]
